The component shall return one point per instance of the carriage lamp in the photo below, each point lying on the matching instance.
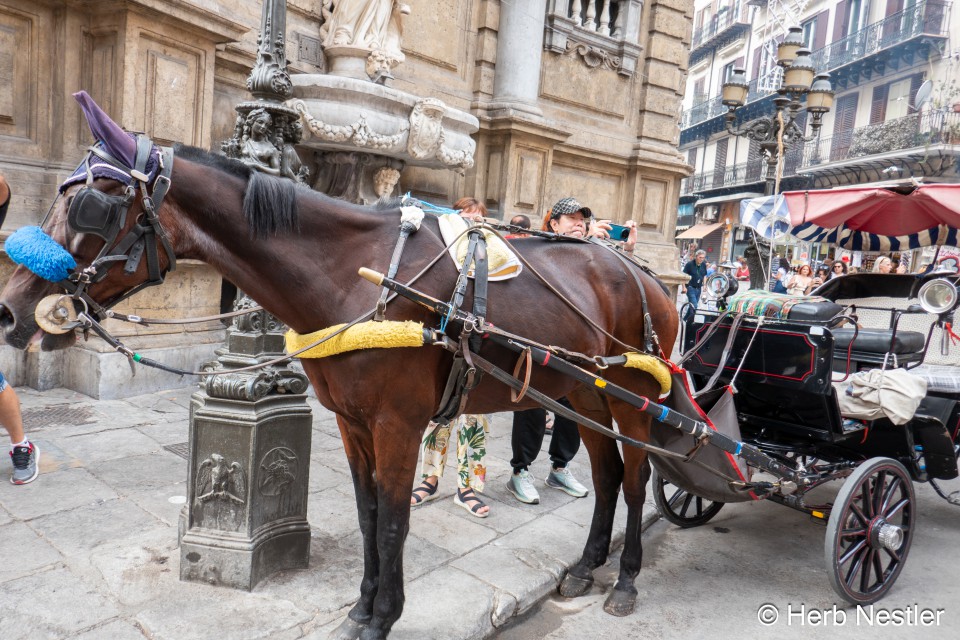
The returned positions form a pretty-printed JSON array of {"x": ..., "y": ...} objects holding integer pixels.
[
  {"x": 787, "y": 50},
  {"x": 938, "y": 296}
]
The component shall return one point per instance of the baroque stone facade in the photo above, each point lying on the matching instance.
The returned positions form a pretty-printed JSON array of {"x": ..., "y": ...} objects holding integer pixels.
[{"x": 573, "y": 98}]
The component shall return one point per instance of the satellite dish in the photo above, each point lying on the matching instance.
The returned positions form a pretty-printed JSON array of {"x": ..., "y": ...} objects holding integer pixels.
[{"x": 923, "y": 95}]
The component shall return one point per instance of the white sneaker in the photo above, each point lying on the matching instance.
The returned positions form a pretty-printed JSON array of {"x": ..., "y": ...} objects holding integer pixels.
[
  {"x": 562, "y": 479},
  {"x": 521, "y": 486}
]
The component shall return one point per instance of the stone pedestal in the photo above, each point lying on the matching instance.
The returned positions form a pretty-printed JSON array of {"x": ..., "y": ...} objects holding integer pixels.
[
  {"x": 249, "y": 461},
  {"x": 247, "y": 492}
]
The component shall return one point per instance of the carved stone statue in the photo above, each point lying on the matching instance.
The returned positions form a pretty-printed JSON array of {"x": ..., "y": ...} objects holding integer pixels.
[
  {"x": 290, "y": 164},
  {"x": 256, "y": 148},
  {"x": 370, "y": 25},
  {"x": 384, "y": 182}
]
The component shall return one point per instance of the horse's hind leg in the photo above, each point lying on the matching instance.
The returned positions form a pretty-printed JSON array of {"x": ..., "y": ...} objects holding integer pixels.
[
  {"x": 636, "y": 473},
  {"x": 607, "y": 472}
]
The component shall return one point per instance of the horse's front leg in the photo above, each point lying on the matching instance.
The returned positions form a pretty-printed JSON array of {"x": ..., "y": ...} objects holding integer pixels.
[
  {"x": 397, "y": 450},
  {"x": 358, "y": 446},
  {"x": 607, "y": 472}
]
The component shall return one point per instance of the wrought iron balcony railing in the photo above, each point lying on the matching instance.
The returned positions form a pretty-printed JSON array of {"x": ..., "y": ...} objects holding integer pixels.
[
  {"x": 908, "y": 132},
  {"x": 926, "y": 17},
  {"x": 723, "y": 20}
]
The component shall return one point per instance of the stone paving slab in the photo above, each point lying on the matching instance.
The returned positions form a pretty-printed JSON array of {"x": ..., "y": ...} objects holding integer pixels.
[{"x": 96, "y": 535}]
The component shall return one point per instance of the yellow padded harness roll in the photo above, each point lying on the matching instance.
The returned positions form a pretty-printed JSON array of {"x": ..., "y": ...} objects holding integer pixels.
[
  {"x": 654, "y": 366},
  {"x": 366, "y": 335}
]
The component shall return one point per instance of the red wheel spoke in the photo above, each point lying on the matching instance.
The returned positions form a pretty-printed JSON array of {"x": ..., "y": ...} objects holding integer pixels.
[
  {"x": 878, "y": 567},
  {"x": 897, "y": 509},
  {"x": 866, "y": 570},
  {"x": 855, "y": 568},
  {"x": 888, "y": 495},
  {"x": 852, "y": 551},
  {"x": 675, "y": 497}
]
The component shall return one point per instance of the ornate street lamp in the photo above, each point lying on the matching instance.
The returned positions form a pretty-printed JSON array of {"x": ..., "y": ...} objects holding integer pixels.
[{"x": 798, "y": 81}]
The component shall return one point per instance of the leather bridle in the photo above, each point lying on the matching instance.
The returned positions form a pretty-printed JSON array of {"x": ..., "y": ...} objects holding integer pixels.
[{"x": 94, "y": 212}]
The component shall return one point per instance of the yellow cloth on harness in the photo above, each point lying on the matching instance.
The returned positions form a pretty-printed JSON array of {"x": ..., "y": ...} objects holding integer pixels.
[
  {"x": 366, "y": 335},
  {"x": 502, "y": 262},
  {"x": 654, "y": 366}
]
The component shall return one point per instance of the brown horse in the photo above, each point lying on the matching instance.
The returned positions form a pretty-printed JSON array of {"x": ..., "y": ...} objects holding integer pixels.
[{"x": 297, "y": 253}]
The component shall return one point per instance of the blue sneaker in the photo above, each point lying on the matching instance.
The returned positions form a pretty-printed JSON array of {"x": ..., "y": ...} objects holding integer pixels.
[
  {"x": 562, "y": 479},
  {"x": 521, "y": 486},
  {"x": 25, "y": 468}
]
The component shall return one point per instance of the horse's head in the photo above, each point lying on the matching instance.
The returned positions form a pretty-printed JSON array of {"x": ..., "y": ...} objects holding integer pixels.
[{"x": 100, "y": 243}]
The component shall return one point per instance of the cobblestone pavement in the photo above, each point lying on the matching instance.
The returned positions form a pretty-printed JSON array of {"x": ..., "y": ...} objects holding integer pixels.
[{"x": 90, "y": 547}]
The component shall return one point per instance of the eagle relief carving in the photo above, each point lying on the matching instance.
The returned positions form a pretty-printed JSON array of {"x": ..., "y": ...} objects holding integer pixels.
[{"x": 221, "y": 491}]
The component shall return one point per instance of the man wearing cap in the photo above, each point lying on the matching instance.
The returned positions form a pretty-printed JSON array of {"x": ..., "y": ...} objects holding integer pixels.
[
  {"x": 697, "y": 270},
  {"x": 568, "y": 218}
]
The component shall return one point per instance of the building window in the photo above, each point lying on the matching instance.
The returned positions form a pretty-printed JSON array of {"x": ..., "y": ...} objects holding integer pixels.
[
  {"x": 605, "y": 30},
  {"x": 727, "y": 72},
  {"x": 898, "y": 99},
  {"x": 809, "y": 33}
]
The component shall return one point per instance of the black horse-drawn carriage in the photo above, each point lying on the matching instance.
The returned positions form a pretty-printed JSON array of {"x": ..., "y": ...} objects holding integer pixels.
[{"x": 836, "y": 385}]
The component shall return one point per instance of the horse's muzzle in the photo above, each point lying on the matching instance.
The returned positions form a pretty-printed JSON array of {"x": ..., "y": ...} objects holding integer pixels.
[{"x": 15, "y": 333}]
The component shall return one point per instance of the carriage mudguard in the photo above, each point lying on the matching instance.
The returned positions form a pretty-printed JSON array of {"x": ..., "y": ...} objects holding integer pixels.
[{"x": 717, "y": 482}]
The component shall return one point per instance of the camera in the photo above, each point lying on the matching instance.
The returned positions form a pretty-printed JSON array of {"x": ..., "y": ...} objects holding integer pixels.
[{"x": 619, "y": 232}]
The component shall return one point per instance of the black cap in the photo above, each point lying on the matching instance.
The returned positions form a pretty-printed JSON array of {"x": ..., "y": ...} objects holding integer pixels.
[{"x": 569, "y": 206}]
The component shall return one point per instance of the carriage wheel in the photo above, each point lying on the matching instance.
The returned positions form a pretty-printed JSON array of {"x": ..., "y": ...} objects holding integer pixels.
[
  {"x": 870, "y": 530},
  {"x": 680, "y": 507}
]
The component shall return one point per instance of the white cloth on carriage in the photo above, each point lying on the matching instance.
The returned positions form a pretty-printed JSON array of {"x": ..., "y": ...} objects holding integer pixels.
[
  {"x": 502, "y": 262},
  {"x": 873, "y": 394}
]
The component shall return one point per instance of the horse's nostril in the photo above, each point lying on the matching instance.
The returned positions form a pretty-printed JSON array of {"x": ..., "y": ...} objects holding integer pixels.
[{"x": 6, "y": 317}]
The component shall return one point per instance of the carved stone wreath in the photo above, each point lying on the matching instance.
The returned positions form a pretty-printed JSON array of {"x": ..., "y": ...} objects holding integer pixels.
[
  {"x": 594, "y": 57},
  {"x": 359, "y": 133}
]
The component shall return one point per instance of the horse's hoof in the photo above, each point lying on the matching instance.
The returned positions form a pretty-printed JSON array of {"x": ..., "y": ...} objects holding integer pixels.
[
  {"x": 349, "y": 629},
  {"x": 373, "y": 634},
  {"x": 574, "y": 586},
  {"x": 620, "y": 603}
]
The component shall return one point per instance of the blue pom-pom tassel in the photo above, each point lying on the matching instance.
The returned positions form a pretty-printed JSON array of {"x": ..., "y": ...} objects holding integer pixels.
[{"x": 40, "y": 253}]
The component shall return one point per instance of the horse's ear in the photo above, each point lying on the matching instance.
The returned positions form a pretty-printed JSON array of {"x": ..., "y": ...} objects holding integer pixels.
[{"x": 114, "y": 138}]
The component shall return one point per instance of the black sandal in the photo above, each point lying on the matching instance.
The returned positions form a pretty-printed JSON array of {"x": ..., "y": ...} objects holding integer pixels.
[
  {"x": 424, "y": 493},
  {"x": 466, "y": 497}
]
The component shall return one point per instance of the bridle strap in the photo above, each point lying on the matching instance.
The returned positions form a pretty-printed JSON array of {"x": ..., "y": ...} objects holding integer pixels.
[{"x": 142, "y": 238}]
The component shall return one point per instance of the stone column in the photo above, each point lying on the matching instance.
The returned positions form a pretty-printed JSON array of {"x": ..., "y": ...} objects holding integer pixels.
[{"x": 516, "y": 84}]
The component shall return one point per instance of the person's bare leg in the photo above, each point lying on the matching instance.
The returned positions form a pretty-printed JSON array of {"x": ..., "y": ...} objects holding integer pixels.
[{"x": 10, "y": 416}]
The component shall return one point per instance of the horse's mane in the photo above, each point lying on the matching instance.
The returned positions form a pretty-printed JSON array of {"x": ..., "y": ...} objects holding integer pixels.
[{"x": 269, "y": 203}]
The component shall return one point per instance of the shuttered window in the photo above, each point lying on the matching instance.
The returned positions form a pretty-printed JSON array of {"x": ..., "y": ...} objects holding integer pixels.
[
  {"x": 846, "y": 116},
  {"x": 720, "y": 165},
  {"x": 878, "y": 107}
]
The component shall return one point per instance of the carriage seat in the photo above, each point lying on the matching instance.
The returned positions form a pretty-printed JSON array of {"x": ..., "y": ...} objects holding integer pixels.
[
  {"x": 877, "y": 341},
  {"x": 757, "y": 302}
]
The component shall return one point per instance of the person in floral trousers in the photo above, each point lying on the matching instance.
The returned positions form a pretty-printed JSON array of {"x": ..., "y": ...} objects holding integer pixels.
[{"x": 471, "y": 435}]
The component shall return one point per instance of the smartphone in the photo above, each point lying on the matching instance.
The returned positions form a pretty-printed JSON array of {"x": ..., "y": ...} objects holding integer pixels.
[{"x": 619, "y": 232}]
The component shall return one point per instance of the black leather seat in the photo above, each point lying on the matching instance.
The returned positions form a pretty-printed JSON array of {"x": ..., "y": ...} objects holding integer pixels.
[
  {"x": 814, "y": 310},
  {"x": 878, "y": 341}
]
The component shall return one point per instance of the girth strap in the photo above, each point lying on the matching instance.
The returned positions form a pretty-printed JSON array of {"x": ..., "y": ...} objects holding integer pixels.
[{"x": 464, "y": 377}]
